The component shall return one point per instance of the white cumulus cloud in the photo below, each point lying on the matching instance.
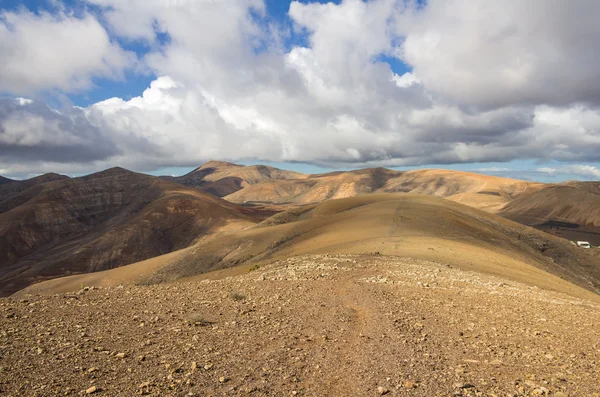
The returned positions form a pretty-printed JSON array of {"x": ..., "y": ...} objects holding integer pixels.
[
  {"x": 58, "y": 51},
  {"x": 582, "y": 170}
]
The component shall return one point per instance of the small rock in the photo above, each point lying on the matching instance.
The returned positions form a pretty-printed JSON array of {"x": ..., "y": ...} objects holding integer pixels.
[
  {"x": 223, "y": 379},
  {"x": 410, "y": 384},
  {"x": 92, "y": 390},
  {"x": 121, "y": 355},
  {"x": 382, "y": 390},
  {"x": 194, "y": 365}
]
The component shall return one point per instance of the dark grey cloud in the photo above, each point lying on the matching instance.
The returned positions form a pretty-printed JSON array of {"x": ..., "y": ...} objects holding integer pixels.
[{"x": 32, "y": 131}]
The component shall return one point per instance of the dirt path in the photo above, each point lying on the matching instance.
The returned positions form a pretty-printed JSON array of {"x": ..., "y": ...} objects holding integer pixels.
[{"x": 361, "y": 326}]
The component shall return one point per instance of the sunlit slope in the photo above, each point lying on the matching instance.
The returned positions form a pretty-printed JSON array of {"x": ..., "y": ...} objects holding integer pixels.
[
  {"x": 479, "y": 191},
  {"x": 222, "y": 178}
]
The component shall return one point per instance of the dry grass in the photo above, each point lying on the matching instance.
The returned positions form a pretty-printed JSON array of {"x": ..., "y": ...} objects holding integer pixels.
[
  {"x": 198, "y": 320},
  {"x": 237, "y": 296}
]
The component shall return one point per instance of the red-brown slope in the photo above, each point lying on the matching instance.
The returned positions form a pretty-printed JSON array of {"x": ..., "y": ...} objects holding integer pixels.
[
  {"x": 102, "y": 221},
  {"x": 12, "y": 188}
]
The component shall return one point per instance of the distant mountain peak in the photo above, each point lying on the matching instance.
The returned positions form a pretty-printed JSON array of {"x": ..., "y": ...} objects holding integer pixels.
[
  {"x": 114, "y": 171},
  {"x": 4, "y": 180},
  {"x": 217, "y": 164},
  {"x": 48, "y": 177}
]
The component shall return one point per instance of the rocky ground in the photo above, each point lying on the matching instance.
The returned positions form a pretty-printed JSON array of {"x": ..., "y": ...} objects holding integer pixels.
[{"x": 307, "y": 326}]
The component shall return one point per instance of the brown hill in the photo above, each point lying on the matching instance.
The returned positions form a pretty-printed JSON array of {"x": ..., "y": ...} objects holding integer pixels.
[
  {"x": 15, "y": 187},
  {"x": 103, "y": 221},
  {"x": 4, "y": 180},
  {"x": 414, "y": 226},
  {"x": 263, "y": 184},
  {"x": 479, "y": 191},
  {"x": 570, "y": 210},
  {"x": 485, "y": 192},
  {"x": 221, "y": 178}
]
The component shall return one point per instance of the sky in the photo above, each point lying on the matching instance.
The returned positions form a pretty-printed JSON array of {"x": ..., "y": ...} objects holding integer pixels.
[{"x": 508, "y": 88}]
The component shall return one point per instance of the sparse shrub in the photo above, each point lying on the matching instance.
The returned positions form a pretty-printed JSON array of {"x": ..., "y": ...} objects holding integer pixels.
[
  {"x": 198, "y": 319},
  {"x": 254, "y": 267},
  {"x": 237, "y": 297}
]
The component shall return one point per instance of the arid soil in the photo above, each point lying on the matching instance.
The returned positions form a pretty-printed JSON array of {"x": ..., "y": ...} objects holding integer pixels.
[{"x": 326, "y": 325}]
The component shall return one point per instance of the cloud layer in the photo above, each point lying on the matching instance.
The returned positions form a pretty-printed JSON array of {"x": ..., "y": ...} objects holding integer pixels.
[{"x": 495, "y": 81}]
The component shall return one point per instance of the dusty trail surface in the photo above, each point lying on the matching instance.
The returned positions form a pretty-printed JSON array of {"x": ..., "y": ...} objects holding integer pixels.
[{"x": 320, "y": 325}]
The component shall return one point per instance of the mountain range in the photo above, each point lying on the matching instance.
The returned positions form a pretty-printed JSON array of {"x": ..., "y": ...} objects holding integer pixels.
[{"x": 222, "y": 215}]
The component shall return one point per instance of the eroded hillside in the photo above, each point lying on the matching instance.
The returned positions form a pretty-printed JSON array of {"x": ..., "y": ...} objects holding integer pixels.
[
  {"x": 103, "y": 221},
  {"x": 570, "y": 210}
]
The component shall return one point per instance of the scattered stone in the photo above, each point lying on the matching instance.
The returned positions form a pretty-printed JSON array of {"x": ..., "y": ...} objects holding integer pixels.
[
  {"x": 364, "y": 324},
  {"x": 410, "y": 384}
]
